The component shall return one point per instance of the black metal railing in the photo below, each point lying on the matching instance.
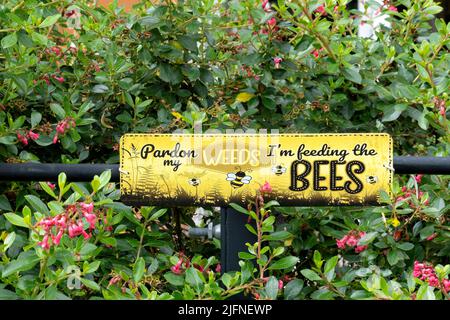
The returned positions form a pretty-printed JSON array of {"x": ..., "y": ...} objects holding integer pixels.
[{"x": 86, "y": 171}]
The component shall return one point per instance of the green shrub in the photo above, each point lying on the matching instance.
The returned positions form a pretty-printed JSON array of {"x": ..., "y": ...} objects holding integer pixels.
[{"x": 67, "y": 95}]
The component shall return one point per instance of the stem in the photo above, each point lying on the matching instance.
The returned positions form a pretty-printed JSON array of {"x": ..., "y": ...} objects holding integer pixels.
[
  {"x": 141, "y": 240},
  {"x": 176, "y": 215},
  {"x": 319, "y": 36},
  {"x": 259, "y": 236},
  {"x": 43, "y": 265}
]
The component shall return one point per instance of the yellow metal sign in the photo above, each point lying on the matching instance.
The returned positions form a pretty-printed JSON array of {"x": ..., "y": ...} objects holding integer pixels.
[{"x": 218, "y": 169}]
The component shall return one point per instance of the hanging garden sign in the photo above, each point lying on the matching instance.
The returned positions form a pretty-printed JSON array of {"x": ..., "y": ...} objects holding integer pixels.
[{"x": 218, "y": 169}]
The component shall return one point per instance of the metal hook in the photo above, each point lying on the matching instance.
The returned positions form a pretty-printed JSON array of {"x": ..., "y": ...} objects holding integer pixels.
[
  {"x": 389, "y": 167},
  {"x": 123, "y": 171}
]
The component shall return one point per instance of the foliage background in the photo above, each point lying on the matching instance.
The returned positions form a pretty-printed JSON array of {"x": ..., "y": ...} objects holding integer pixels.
[{"x": 98, "y": 73}]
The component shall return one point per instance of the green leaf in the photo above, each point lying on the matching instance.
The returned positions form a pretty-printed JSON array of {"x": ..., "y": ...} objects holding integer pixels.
[
  {"x": 367, "y": 238},
  {"x": 310, "y": 275},
  {"x": 138, "y": 269},
  {"x": 284, "y": 263},
  {"x": 391, "y": 113},
  {"x": 8, "y": 295},
  {"x": 317, "y": 258},
  {"x": 15, "y": 219},
  {"x": 194, "y": 278},
  {"x": 90, "y": 284},
  {"x": 238, "y": 208},
  {"x": 293, "y": 289},
  {"x": 47, "y": 189},
  {"x": 36, "y": 117},
  {"x": 9, "y": 41},
  {"x": 271, "y": 203},
  {"x": 157, "y": 214},
  {"x": 226, "y": 279},
  {"x": 37, "y": 204},
  {"x": 271, "y": 288},
  {"x": 279, "y": 236},
  {"x": 174, "y": 279},
  {"x": 24, "y": 262},
  {"x": 392, "y": 257},
  {"x": 109, "y": 241},
  {"x": 352, "y": 74},
  {"x": 150, "y": 21},
  {"x": 7, "y": 140},
  {"x": 9, "y": 240},
  {"x": 169, "y": 73},
  {"x": 277, "y": 251},
  {"x": 329, "y": 268},
  {"x": 100, "y": 88},
  {"x": 331, "y": 264},
  {"x": 405, "y": 246},
  {"x": 251, "y": 229},
  {"x": 40, "y": 39},
  {"x": 62, "y": 178},
  {"x": 49, "y": 21},
  {"x": 153, "y": 267},
  {"x": 58, "y": 110},
  {"x": 92, "y": 267},
  {"x": 246, "y": 256},
  {"x": 4, "y": 203},
  {"x": 188, "y": 42}
]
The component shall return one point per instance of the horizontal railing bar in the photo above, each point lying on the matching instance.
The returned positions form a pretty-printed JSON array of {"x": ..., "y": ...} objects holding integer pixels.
[{"x": 86, "y": 171}]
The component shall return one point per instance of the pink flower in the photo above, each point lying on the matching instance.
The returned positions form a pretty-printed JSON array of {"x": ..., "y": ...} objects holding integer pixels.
[
  {"x": 199, "y": 268},
  {"x": 272, "y": 22},
  {"x": 277, "y": 61},
  {"x": 426, "y": 273},
  {"x": 71, "y": 230},
  {"x": 434, "y": 235},
  {"x": 321, "y": 9},
  {"x": 177, "y": 268},
  {"x": 56, "y": 50},
  {"x": 114, "y": 280},
  {"x": 51, "y": 185},
  {"x": 340, "y": 243},
  {"x": 359, "y": 249},
  {"x": 392, "y": 8},
  {"x": 61, "y": 127},
  {"x": 315, "y": 53},
  {"x": 442, "y": 111},
  {"x": 266, "y": 6},
  {"x": 280, "y": 284},
  {"x": 218, "y": 268},
  {"x": 22, "y": 139},
  {"x": 58, "y": 78},
  {"x": 85, "y": 235},
  {"x": 91, "y": 219},
  {"x": 33, "y": 135},
  {"x": 433, "y": 281},
  {"x": 87, "y": 207},
  {"x": 446, "y": 284},
  {"x": 55, "y": 139},
  {"x": 58, "y": 237},
  {"x": 352, "y": 241},
  {"x": 45, "y": 243},
  {"x": 266, "y": 188},
  {"x": 418, "y": 179}
]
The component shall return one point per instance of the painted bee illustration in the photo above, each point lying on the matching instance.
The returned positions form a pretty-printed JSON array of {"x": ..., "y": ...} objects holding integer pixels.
[
  {"x": 194, "y": 182},
  {"x": 278, "y": 170},
  {"x": 238, "y": 179},
  {"x": 372, "y": 179}
]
